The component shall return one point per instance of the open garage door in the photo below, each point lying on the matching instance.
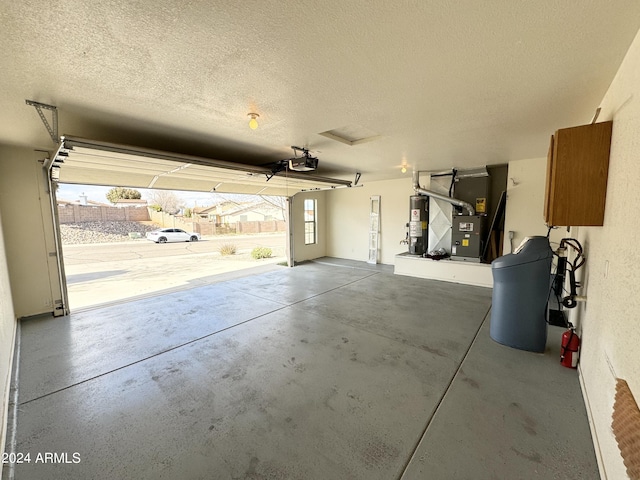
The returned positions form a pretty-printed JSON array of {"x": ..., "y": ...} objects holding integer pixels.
[{"x": 89, "y": 162}]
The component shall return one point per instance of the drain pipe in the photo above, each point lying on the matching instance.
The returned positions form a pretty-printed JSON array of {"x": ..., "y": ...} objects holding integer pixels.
[{"x": 453, "y": 201}]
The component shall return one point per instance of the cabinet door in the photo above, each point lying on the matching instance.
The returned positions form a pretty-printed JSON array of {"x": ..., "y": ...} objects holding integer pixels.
[
  {"x": 577, "y": 173},
  {"x": 548, "y": 186}
]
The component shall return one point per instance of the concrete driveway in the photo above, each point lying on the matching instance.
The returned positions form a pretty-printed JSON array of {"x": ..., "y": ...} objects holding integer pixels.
[{"x": 99, "y": 274}]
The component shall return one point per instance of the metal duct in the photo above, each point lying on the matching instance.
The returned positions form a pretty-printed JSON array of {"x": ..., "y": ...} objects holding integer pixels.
[
  {"x": 460, "y": 173},
  {"x": 440, "y": 216},
  {"x": 472, "y": 173},
  {"x": 453, "y": 201}
]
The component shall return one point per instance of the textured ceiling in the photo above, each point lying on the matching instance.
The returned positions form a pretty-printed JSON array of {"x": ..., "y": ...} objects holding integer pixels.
[{"x": 447, "y": 83}]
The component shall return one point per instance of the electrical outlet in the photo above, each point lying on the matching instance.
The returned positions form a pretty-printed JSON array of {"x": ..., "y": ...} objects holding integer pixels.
[
  {"x": 606, "y": 268},
  {"x": 511, "y": 234}
]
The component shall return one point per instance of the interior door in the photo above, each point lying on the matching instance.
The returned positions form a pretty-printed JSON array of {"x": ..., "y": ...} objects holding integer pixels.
[{"x": 374, "y": 229}]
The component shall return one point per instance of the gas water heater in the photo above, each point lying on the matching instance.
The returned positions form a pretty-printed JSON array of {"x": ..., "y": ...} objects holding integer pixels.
[{"x": 418, "y": 224}]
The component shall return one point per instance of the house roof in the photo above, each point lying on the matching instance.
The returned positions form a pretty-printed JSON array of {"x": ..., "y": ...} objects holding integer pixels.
[
  {"x": 201, "y": 210},
  {"x": 254, "y": 207}
]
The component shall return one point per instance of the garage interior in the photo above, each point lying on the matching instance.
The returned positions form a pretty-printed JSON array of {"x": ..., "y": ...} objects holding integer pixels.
[
  {"x": 359, "y": 360},
  {"x": 298, "y": 373}
]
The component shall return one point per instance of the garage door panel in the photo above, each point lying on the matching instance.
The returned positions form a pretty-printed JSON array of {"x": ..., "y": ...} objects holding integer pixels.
[
  {"x": 90, "y": 162},
  {"x": 86, "y": 176},
  {"x": 172, "y": 183},
  {"x": 106, "y": 163}
]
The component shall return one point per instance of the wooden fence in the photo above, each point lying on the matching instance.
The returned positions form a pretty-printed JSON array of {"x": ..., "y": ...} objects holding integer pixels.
[{"x": 205, "y": 227}]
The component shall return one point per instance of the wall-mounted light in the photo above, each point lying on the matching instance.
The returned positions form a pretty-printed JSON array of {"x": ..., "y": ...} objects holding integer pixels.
[
  {"x": 403, "y": 169},
  {"x": 253, "y": 122}
]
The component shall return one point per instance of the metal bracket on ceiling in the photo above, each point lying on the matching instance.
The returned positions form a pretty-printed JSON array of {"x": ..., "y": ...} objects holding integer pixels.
[{"x": 53, "y": 130}]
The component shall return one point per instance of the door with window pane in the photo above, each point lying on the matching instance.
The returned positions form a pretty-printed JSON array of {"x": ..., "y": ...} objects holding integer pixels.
[
  {"x": 310, "y": 225},
  {"x": 374, "y": 229}
]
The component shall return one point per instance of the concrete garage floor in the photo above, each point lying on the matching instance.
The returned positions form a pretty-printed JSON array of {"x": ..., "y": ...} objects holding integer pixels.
[{"x": 330, "y": 370}]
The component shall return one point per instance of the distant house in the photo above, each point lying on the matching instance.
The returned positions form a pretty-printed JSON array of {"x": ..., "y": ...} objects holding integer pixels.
[
  {"x": 207, "y": 213},
  {"x": 254, "y": 212},
  {"x": 232, "y": 212}
]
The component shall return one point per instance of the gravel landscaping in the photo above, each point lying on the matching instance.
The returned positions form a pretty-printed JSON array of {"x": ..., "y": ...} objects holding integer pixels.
[{"x": 102, "y": 232}]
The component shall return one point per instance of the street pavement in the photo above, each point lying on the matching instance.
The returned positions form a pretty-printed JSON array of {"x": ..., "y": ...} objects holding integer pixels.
[{"x": 99, "y": 274}]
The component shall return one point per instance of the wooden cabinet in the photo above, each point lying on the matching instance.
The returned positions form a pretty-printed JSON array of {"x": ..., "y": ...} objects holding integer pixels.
[{"x": 577, "y": 168}]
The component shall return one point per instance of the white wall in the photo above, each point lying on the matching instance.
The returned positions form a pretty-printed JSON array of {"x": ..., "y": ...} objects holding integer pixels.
[
  {"x": 610, "y": 319},
  {"x": 28, "y": 236},
  {"x": 301, "y": 251},
  {"x": 348, "y": 214},
  {"x": 7, "y": 338},
  {"x": 525, "y": 203}
]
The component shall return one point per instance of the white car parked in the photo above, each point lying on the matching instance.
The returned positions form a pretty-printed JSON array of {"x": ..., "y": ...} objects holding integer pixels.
[{"x": 164, "y": 235}]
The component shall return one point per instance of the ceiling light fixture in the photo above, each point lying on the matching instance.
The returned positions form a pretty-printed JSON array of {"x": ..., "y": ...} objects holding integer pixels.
[{"x": 253, "y": 122}]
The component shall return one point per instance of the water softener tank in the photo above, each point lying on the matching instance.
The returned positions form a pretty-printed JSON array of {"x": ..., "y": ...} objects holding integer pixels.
[
  {"x": 418, "y": 224},
  {"x": 521, "y": 287}
]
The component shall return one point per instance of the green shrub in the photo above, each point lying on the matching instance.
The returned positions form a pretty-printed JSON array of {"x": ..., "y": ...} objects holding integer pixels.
[
  {"x": 227, "y": 249},
  {"x": 155, "y": 208},
  {"x": 261, "y": 252}
]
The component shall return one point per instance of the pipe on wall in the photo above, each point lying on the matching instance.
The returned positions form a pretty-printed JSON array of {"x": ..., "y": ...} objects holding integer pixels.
[{"x": 430, "y": 193}]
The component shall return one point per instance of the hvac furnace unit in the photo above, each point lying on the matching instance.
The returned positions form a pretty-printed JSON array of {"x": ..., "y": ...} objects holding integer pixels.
[{"x": 467, "y": 237}]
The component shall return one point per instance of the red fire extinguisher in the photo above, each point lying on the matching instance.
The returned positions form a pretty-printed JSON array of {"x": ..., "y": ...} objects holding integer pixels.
[{"x": 569, "y": 348}]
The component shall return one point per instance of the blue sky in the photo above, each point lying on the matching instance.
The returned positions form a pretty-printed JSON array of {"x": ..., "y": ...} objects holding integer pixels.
[{"x": 96, "y": 193}]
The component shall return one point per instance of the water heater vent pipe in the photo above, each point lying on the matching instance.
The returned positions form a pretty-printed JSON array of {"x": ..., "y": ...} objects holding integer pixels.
[{"x": 430, "y": 193}]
